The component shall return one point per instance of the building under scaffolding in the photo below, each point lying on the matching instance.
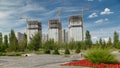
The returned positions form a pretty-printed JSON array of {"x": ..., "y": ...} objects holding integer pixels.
[
  {"x": 32, "y": 28},
  {"x": 75, "y": 28},
  {"x": 55, "y": 30}
]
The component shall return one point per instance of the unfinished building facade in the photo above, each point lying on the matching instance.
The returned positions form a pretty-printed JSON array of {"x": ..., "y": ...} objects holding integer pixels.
[
  {"x": 75, "y": 28},
  {"x": 32, "y": 28},
  {"x": 54, "y": 30}
]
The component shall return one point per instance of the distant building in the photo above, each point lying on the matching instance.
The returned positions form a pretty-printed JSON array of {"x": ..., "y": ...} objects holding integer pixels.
[
  {"x": 19, "y": 36},
  {"x": 64, "y": 36},
  {"x": 55, "y": 30},
  {"x": 44, "y": 37},
  {"x": 75, "y": 28},
  {"x": 32, "y": 28}
]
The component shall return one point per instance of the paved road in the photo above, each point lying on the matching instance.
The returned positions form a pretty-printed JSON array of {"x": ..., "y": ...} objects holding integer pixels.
[{"x": 35, "y": 61}]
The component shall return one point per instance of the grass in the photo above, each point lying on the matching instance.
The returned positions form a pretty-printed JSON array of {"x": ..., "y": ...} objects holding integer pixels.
[
  {"x": 100, "y": 56},
  {"x": 10, "y": 53}
]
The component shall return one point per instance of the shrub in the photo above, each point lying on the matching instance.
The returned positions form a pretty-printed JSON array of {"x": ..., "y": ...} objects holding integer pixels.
[
  {"x": 77, "y": 50},
  {"x": 67, "y": 51},
  {"x": 2, "y": 54},
  {"x": 47, "y": 51},
  {"x": 56, "y": 52},
  {"x": 100, "y": 56}
]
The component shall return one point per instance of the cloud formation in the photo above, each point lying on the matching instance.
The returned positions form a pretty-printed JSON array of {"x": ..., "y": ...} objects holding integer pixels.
[
  {"x": 106, "y": 11},
  {"x": 93, "y": 15},
  {"x": 90, "y": 0},
  {"x": 101, "y": 21}
]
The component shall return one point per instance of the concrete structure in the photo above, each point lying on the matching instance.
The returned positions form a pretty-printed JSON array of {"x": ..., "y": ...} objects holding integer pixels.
[
  {"x": 32, "y": 28},
  {"x": 75, "y": 28},
  {"x": 19, "y": 36},
  {"x": 54, "y": 30},
  {"x": 64, "y": 35}
]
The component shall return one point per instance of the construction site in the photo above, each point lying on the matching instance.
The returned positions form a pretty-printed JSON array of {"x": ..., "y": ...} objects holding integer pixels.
[{"x": 55, "y": 31}]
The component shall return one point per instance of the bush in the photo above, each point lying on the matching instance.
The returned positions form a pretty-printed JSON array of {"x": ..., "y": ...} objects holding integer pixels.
[
  {"x": 67, "y": 51},
  {"x": 47, "y": 51},
  {"x": 100, "y": 56},
  {"x": 2, "y": 54},
  {"x": 56, "y": 52},
  {"x": 77, "y": 50}
]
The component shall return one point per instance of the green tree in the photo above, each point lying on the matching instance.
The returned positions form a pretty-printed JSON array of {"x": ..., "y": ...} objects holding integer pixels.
[
  {"x": 109, "y": 41},
  {"x": 35, "y": 42},
  {"x": 118, "y": 45},
  {"x": 23, "y": 43},
  {"x": 104, "y": 44},
  {"x": 71, "y": 44},
  {"x": 67, "y": 51},
  {"x": 88, "y": 40},
  {"x": 116, "y": 39},
  {"x": 1, "y": 43},
  {"x": 1, "y": 38},
  {"x": 4, "y": 46},
  {"x": 49, "y": 45},
  {"x": 13, "y": 42},
  {"x": 100, "y": 41},
  {"x": 6, "y": 41}
]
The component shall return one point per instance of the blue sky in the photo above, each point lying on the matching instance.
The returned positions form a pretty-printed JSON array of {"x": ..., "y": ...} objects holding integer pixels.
[{"x": 102, "y": 19}]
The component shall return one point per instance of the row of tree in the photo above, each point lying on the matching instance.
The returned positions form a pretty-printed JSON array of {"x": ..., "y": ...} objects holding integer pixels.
[{"x": 10, "y": 43}]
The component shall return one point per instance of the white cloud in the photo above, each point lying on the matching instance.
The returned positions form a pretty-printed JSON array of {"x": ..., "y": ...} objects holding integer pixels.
[
  {"x": 93, "y": 15},
  {"x": 101, "y": 20},
  {"x": 11, "y": 11},
  {"x": 106, "y": 11},
  {"x": 90, "y": 0}
]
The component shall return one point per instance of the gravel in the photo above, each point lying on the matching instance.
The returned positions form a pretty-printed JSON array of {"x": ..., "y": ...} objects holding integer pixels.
[{"x": 35, "y": 61}]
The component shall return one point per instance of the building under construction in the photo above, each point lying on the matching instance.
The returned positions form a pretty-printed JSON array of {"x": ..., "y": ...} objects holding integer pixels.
[
  {"x": 55, "y": 30},
  {"x": 75, "y": 28},
  {"x": 32, "y": 28}
]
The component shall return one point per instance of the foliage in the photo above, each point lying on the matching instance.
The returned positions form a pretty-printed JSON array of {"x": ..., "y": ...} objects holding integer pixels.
[
  {"x": 100, "y": 41},
  {"x": 13, "y": 54},
  {"x": 118, "y": 45},
  {"x": 77, "y": 50},
  {"x": 99, "y": 55},
  {"x": 49, "y": 45},
  {"x": 6, "y": 41},
  {"x": 23, "y": 43},
  {"x": 67, "y": 51},
  {"x": 116, "y": 38},
  {"x": 47, "y": 51},
  {"x": 109, "y": 41},
  {"x": 1, "y": 38},
  {"x": 56, "y": 52},
  {"x": 35, "y": 42},
  {"x": 13, "y": 42},
  {"x": 88, "y": 40}
]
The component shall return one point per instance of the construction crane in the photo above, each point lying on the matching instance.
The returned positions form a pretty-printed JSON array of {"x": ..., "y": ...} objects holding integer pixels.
[
  {"x": 59, "y": 14},
  {"x": 83, "y": 10}
]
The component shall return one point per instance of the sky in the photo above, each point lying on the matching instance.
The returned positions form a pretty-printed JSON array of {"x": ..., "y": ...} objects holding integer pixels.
[{"x": 102, "y": 18}]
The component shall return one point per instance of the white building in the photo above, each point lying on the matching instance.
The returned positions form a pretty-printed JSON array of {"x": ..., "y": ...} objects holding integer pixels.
[
  {"x": 19, "y": 36},
  {"x": 32, "y": 28},
  {"x": 64, "y": 35},
  {"x": 54, "y": 30},
  {"x": 75, "y": 28}
]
